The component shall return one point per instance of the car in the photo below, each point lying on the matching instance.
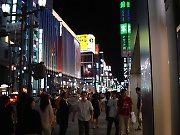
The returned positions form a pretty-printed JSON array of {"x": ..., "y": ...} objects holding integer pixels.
[{"x": 13, "y": 98}]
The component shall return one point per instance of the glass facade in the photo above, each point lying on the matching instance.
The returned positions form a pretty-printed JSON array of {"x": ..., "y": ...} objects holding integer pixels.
[{"x": 45, "y": 39}]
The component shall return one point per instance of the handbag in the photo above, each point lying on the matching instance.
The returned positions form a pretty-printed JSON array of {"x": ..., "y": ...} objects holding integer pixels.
[{"x": 133, "y": 118}]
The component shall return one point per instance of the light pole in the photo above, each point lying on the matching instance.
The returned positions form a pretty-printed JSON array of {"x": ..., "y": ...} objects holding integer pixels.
[{"x": 40, "y": 6}]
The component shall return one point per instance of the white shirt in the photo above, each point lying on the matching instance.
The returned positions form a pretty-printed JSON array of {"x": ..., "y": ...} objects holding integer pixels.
[
  {"x": 112, "y": 103},
  {"x": 84, "y": 109}
]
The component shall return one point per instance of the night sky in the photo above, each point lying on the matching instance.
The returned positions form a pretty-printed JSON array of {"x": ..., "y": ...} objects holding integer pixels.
[{"x": 100, "y": 18}]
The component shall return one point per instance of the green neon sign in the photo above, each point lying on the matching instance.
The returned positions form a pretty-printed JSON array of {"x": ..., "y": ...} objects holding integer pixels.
[
  {"x": 124, "y": 42},
  {"x": 124, "y": 28},
  {"x": 124, "y": 4}
]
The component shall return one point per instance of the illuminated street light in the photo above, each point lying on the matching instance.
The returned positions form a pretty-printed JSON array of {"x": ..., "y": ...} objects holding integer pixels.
[
  {"x": 42, "y": 3},
  {"x": 6, "y": 8}
]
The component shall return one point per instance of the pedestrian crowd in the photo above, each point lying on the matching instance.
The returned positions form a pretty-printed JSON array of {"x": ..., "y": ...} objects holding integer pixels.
[{"x": 28, "y": 118}]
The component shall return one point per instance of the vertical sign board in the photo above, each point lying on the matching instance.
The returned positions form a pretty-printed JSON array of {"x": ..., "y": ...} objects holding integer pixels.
[
  {"x": 125, "y": 27},
  {"x": 125, "y": 31}
]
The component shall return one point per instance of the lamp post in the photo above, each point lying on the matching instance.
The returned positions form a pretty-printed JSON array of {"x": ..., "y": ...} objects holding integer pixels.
[{"x": 40, "y": 6}]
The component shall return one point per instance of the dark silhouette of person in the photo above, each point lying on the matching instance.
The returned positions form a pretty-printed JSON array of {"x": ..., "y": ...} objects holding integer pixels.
[
  {"x": 6, "y": 112},
  {"x": 31, "y": 119},
  {"x": 64, "y": 113},
  {"x": 20, "y": 107},
  {"x": 97, "y": 107},
  {"x": 108, "y": 95},
  {"x": 53, "y": 101}
]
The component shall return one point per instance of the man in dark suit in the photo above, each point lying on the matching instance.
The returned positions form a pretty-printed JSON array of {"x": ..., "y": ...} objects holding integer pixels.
[{"x": 64, "y": 113}]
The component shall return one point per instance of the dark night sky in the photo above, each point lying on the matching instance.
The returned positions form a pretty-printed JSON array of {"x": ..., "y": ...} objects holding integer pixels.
[{"x": 97, "y": 17}]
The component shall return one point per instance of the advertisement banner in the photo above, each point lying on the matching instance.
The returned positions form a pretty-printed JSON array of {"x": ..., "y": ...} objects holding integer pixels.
[{"x": 87, "y": 42}]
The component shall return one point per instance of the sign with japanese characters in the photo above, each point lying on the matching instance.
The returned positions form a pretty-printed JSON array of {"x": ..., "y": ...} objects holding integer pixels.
[{"x": 125, "y": 27}]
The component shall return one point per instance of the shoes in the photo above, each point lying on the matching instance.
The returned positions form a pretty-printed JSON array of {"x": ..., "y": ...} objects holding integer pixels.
[
  {"x": 138, "y": 128},
  {"x": 93, "y": 127},
  {"x": 97, "y": 126}
]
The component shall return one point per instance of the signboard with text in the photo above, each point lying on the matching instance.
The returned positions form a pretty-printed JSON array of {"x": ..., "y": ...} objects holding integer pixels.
[
  {"x": 87, "y": 42},
  {"x": 125, "y": 28}
]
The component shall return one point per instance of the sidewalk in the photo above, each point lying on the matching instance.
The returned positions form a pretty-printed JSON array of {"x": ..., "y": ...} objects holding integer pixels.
[{"x": 73, "y": 127}]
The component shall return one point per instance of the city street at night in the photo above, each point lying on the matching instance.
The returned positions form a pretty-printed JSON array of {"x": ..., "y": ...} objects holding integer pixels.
[{"x": 101, "y": 130}]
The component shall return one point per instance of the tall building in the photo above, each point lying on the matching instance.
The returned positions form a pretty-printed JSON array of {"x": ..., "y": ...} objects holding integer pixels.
[
  {"x": 46, "y": 38},
  {"x": 155, "y": 64}
]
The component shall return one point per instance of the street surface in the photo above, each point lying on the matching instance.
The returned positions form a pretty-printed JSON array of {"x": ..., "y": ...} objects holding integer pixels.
[{"x": 101, "y": 130}]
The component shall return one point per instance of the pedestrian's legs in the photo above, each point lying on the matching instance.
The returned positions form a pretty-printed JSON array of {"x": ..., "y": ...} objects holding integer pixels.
[
  {"x": 110, "y": 122},
  {"x": 46, "y": 129},
  {"x": 140, "y": 119},
  {"x": 86, "y": 124},
  {"x": 127, "y": 123},
  {"x": 97, "y": 122},
  {"x": 81, "y": 127},
  {"x": 116, "y": 125},
  {"x": 122, "y": 124},
  {"x": 94, "y": 123},
  {"x": 63, "y": 126}
]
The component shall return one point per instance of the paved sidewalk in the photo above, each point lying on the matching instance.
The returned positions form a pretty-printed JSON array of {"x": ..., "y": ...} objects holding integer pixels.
[{"x": 73, "y": 127}]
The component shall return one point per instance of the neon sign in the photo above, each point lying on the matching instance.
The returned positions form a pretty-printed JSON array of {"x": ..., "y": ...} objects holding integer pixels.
[{"x": 125, "y": 27}]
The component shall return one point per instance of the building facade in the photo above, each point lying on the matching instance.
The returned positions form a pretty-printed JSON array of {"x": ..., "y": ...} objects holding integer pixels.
[
  {"x": 48, "y": 39},
  {"x": 155, "y": 64}
]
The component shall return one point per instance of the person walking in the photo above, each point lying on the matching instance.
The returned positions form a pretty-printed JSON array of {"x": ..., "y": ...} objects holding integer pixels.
[
  {"x": 112, "y": 103},
  {"x": 6, "y": 113},
  {"x": 64, "y": 113},
  {"x": 57, "y": 103},
  {"x": 139, "y": 108},
  {"x": 124, "y": 110},
  {"x": 108, "y": 96},
  {"x": 47, "y": 115},
  {"x": 19, "y": 112},
  {"x": 31, "y": 120},
  {"x": 97, "y": 108},
  {"x": 85, "y": 113},
  {"x": 53, "y": 101}
]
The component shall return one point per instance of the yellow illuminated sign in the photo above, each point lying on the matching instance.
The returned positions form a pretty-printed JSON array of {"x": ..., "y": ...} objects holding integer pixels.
[
  {"x": 83, "y": 40},
  {"x": 87, "y": 42}
]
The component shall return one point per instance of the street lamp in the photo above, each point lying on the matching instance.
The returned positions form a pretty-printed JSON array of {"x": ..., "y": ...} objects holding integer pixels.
[
  {"x": 23, "y": 14},
  {"x": 6, "y": 8},
  {"x": 42, "y": 3}
]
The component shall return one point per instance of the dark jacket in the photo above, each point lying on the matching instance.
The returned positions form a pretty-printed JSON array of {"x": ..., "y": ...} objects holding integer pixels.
[
  {"x": 64, "y": 108},
  {"x": 6, "y": 122},
  {"x": 29, "y": 123}
]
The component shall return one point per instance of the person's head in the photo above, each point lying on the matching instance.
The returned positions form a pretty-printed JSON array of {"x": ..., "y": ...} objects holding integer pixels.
[
  {"x": 62, "y": 91},
  {"x": 54, "y": 95},
  {"x": 123, "y": 93},
  {"x": 108, "y": 95},
  {"x": 44, "y": 101},
  {"x": 30, "y": 103},
  {"x": 4, "y": 101},
  {"x": 22, "y": 97},
  {"x": 84, "y": 95},
  {"x": 64, "y": 95},
  {"x": 138, "y": 90},
  {"x": 95, "y": 95},
  {"x": 114, "y": 94}
]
